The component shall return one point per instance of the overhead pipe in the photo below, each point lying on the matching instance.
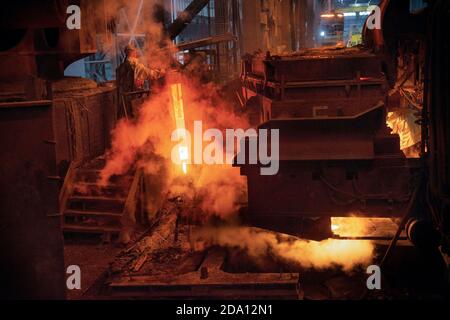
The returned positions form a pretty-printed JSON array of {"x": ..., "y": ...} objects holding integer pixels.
[{"x": 185, "y": 17}]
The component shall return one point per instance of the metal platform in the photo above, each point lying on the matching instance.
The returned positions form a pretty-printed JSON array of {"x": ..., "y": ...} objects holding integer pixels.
[{"x": 207, "y": 283}]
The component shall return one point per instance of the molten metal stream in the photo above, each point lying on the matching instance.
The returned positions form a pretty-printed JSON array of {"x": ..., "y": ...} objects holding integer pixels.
[{"x": 178, "y": 110}]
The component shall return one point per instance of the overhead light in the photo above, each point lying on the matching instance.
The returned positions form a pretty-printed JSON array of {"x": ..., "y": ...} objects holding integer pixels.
[{"x": 349, "y": 14}]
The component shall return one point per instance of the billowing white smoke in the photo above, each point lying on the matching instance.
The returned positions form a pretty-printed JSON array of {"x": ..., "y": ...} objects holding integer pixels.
[{"x": 346, "y": 254}]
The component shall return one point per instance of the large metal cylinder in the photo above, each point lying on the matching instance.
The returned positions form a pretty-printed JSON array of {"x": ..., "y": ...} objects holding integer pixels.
[{"x": 422, "y": 233}]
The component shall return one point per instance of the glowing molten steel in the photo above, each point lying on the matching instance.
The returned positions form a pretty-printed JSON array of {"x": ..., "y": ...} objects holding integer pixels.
[
  {"x": 178, "y": 111},
  {"x": 334, "y": 227}
]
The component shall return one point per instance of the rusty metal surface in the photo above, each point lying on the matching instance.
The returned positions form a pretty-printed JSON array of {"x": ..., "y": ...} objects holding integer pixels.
[
  {"x": 337, "y": 156},
  {"x": 315, "y": 65},
  {"x": 33, "y": 14},
  {"x": 84, "y": 118},
  {"x": 208, "y": 282},
  {"x": 41, "y": 44},
  {"x": 31, "y": 245}
]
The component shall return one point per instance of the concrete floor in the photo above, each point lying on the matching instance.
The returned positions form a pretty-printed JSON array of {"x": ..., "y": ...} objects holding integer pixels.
[{"x": 92, "y": 257}]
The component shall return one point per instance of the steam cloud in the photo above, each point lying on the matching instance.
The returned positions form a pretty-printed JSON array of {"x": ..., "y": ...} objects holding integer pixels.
[
  {"x": 308, "y": 254},
  {"x": 145, "y": 142}
]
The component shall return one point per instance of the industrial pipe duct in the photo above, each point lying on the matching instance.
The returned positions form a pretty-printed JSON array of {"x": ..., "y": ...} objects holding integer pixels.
[{"x": 185, "y": 17}]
